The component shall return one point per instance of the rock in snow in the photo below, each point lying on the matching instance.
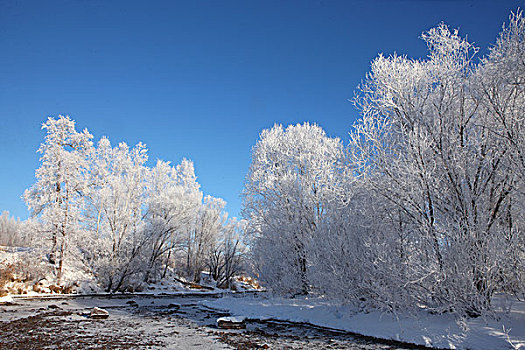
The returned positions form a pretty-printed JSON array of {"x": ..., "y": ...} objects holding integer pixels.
[
  {"x": 99, "y": 314},
  {"x": 132, "y": 303},
  {"x": 231, "y": 322}
]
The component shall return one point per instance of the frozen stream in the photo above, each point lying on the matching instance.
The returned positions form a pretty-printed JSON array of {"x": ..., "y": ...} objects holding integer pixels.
[{"x": 146, "y": 322}]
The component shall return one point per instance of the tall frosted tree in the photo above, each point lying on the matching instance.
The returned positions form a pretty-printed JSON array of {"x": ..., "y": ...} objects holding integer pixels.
[
  {"x": 202, "y": 235},
  {"x": 115, "y": 214},
  {"x": 290, "y": 185},
  {"x": 57, "y": 195},
  {"x": 173, "y": 201}
]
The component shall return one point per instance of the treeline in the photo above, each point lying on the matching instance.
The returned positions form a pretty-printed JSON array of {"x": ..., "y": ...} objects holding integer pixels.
[
  {"x": 126, "y": 222},
  {"x": 425, "y": 205}
]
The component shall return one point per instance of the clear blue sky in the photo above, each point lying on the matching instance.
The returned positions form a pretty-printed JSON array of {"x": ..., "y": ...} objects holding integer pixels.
[{"x": 200, "y": 79}]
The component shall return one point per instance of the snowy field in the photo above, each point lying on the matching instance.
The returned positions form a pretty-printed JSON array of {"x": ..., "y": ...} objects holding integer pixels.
[{"x": 438, "y": 331}]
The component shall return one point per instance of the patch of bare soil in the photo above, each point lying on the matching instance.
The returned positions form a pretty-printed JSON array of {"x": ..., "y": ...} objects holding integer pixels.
[{"x": 57, "y": 330}]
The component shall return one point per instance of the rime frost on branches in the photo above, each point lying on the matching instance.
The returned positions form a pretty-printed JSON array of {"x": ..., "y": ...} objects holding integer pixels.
[
  {"x": 173, "y": 201},
  {"x": 57, "y": 196},
  {"x": 126, "y": 222},
  {"x": 289, "y": 188},
  {"x": 431, "y": 143},
  {"x": 115, "y": 225},
  {"x": 426, "y": 206}
]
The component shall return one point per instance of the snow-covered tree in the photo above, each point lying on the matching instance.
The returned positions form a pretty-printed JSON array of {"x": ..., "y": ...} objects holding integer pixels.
[
  {"x": 57, "y": 196},
  {"x": 126, "y": 222},
  {"x": 425, "y": 207},
  {"x": 115, "y": 216},
  {"x": 202, "y": 235},
  {"x": 10, "y": 230},
  {"x": 226, "y": 256},
  {"x": 173, "y": 201},
  {"x": 291, "y": 183},
  {"x": 501, "y": 84},
  {"x": 437, "y": 142}
]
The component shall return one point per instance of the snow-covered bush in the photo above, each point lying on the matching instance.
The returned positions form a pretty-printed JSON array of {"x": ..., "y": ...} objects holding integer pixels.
[{"x": 21, "y": 269}]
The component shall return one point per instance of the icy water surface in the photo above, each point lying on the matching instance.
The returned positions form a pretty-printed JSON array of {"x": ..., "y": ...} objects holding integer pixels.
[{"x": 156, "y": 323}]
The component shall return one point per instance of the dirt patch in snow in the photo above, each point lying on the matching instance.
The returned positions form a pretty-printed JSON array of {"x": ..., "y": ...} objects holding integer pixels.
[{"x": 59, "y": 330}]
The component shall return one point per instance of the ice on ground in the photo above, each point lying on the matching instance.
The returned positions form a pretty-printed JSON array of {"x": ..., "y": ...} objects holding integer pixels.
[{"x": 441, "y": 331}]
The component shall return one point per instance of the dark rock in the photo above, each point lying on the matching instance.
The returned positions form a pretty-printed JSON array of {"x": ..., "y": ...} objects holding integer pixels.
[
  {"x": 231, "y": 323},
  {"x": 132, "y": 303}
]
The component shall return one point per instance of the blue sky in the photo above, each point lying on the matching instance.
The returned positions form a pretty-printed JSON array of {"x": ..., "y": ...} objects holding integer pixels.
[{"x": 200, "y": 79}]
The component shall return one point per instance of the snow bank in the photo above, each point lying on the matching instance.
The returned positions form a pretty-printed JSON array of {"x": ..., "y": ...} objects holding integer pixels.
[
  {"x": 441, "y": 331},
  {"x": 236, "y": 319},
  {"x": 6, "y": 299}
]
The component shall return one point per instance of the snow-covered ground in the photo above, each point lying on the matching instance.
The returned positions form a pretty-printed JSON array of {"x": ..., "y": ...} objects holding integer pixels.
[
  {"x": 180, "y": 322},
  {"x": 440, "y": 331},
  {"x": 153, "y": 322}
]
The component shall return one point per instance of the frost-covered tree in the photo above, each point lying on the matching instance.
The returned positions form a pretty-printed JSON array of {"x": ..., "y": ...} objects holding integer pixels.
[
  {"x": 426, "y": 206},
  {"x": 173, "y": 201},
  {"x": 57, "y": 196},
  {"x": 126, "y": 222},
  {"x": 202, "y": 235},
  {"x": 16, "y": 233},
  {"x": 11, "y": 232},
  {"x": 291, "y": 183},
  {"x": 501, "y": 82},
  {"x": 439, "y": 142},
  {"x": 115, "y": 216},
  {"x": 226, "y": 255}
]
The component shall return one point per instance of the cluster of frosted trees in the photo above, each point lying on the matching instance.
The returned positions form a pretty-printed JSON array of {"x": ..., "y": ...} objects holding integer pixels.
[
  {"x": 12, "y": 231},
  {"x": 425, "y": 205},
  {"x": 126, "y": 222}
]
